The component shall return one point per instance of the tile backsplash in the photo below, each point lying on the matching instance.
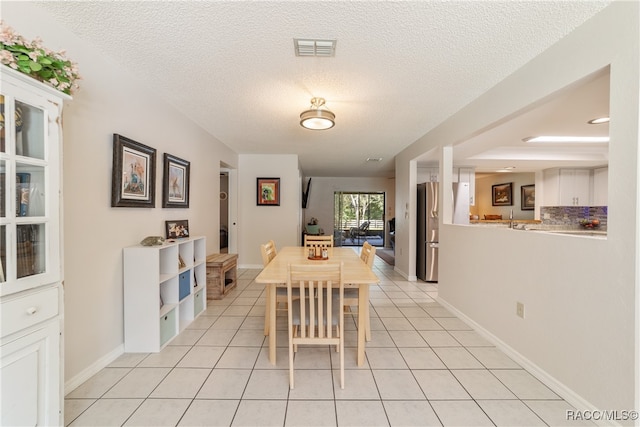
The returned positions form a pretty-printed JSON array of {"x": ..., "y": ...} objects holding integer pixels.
[{"x": 570, "y": 216}]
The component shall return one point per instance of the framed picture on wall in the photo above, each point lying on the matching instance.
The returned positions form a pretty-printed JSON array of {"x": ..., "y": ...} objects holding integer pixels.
[
  {"x": 133, "y": 179},
  {"x": 502, "y": 194},
  {"x": 527, "y": 197},
  {"x": 268, "y": 191},
  {"x": 177, "y": 229},
  {"x": 175, "y": 188}
]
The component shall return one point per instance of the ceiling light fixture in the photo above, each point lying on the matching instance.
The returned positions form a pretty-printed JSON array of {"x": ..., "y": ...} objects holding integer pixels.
[
  {"x": 598, "y": 120},
  {"x": 571, "y": 139},
  {"x": 317, "y": 118}
]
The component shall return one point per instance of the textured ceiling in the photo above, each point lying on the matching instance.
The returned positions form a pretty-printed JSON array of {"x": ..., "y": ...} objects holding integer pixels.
[{"x": 400, "y": 68}]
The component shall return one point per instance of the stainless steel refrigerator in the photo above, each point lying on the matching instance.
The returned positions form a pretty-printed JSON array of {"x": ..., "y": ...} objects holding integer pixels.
[{"x": 427, "y": 227}]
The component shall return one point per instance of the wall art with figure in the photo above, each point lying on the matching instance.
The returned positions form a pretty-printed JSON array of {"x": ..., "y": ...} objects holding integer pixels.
[
  {"x": 133, "y": 178},
  {"x": 175, "y": 193},
  {"x": 268, "y": 191}
]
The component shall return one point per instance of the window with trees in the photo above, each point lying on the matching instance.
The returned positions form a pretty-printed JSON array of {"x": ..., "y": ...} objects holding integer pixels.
[{"x": 359, "y": 217}]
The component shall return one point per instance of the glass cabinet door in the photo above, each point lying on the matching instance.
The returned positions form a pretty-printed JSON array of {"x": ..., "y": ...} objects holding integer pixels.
[{"x": 29, "y": 158}]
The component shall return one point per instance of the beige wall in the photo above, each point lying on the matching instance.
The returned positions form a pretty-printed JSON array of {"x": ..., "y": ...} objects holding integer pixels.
[
  {"x": 113, "y": 101},
  {"x": 484, "y": 192},
  {"x": 580, "y": 334},
  {"x": 259, "y": 224}
]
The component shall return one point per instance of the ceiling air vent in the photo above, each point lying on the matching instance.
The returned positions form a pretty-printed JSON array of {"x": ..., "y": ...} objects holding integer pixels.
[{"x": 305, "y": 47}]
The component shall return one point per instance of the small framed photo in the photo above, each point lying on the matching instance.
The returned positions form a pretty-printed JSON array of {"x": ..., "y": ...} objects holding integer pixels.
[
  {"x": 268, "y": 191},
  {"x": 133, "y": 180},
  {"x": 177, "y": 229},
  {"x": 175, "y": 188},
  {"x": 502, "y": 194},
  {"x": 528, "y": 197}
]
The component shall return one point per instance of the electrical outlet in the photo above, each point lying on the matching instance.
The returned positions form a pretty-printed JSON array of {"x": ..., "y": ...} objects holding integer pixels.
[{"x": 520, "y": 309}]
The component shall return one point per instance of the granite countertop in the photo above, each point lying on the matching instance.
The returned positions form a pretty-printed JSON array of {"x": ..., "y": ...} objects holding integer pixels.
[
  {"x": 504, "y": 221},
  {"x": 538, "y": 226}
]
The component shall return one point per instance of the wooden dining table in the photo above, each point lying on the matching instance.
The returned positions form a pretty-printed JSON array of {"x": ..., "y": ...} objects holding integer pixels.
[{"x": 356, "y": 274}]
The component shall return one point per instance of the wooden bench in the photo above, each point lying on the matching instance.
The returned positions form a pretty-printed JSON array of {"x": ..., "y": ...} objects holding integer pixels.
[{"x": 221, "y": 275}]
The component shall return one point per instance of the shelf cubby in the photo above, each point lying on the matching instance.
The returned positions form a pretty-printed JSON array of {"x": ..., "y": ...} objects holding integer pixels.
[{"x": 163, "y": 292}]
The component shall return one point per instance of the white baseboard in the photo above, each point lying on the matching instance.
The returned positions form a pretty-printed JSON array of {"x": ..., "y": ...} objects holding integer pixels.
[
  {"x": 556, "y": 386},
  {"x": 93, "y": 369}
]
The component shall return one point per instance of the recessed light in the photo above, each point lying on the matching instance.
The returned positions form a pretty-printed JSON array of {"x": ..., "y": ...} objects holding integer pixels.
[
  {"x": 598, "y": 121},
  {"x": 374, "y": 159},
  {"x": 561, "y": 139}
]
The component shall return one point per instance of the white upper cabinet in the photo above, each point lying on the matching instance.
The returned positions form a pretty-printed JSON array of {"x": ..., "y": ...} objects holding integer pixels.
[
  {"x": 567, "y": 187},
  {"x": 600, "y": 187},
  {"x": 30, "y": 158}
]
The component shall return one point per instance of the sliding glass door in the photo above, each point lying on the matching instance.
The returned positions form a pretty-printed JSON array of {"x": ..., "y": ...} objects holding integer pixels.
[{"x": 359, "y": 217}]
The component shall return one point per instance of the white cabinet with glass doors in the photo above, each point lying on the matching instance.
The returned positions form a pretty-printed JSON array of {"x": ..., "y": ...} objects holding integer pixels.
[{"x": 30, "y": 250}]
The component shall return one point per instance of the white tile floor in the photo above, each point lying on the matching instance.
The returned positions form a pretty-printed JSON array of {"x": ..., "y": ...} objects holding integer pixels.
[{"x": 424, "y": 367}]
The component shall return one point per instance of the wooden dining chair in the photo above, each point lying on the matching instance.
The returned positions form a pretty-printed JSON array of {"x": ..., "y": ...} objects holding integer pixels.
[
  {"x": 269, "y": 252},
  {"x": 351, "y": 299},
  {"x": 318, "y": 241},
  {"x": 315, "y": 318}
]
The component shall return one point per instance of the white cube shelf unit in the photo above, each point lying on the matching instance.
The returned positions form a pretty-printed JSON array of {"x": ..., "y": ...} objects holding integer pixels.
[{"x": 164, "y": 291}]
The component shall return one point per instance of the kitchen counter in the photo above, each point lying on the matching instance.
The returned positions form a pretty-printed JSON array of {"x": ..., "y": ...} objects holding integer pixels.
[
  {"x": 538, "y": 227},
  {"x": 504, "y": 222},
  {"x": 582, "y": 232}
]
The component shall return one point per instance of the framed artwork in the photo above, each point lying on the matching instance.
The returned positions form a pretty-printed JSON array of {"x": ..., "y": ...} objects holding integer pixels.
[
  {"x": 268, "y": 191},
  {"x": 177, "y": 229},
  {"x": 527, "y": 197},
  {"x": 175, "y": 188},
  {"x": 502, "y": 194},
  {"x": 133, "y": 180}
]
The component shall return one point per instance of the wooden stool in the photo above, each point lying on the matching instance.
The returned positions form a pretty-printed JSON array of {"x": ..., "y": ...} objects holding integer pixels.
[{"x": 221, "y": 274}]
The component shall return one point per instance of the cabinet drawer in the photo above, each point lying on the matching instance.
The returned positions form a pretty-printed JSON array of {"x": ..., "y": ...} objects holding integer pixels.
[
  {"x": 198, "y": 303},
  {"x": 184, "y": 281},
  {"x": 21, "y": 313},
  {"x": 168, "y": 328}
]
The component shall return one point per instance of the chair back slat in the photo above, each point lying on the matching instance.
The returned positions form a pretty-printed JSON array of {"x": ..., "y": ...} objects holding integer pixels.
[
  {"x": 368, "y": 253},
  {"x": 312, "y": 318},
  {"x": 316, "y": 284},
  {"x": 318, "y": 241},
  {"x": 268, "y": 252}
]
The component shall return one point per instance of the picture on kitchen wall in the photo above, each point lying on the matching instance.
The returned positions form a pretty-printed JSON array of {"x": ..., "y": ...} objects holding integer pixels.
[
  {"x": 527, "y": 197},
  {"x": 133, "y": 179},
  {"x": 502, "y": 194},
  {"x": 175, "y": 189},
  {"x": 268, "y": 191}
]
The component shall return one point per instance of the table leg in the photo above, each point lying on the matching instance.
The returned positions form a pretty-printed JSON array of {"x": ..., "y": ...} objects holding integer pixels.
[
  {"x": 367, "y": 319},
  {"x": 267, "y": 311},
  {"x": 272, "y": 323},
  {"x": 363, "y": 301}
]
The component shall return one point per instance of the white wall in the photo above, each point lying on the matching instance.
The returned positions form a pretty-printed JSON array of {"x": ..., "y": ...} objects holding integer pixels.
[
  {"x": 581, "y": 295},
  {"x": 112, "y": 101},
  {"x": 259, "y": 224},
  {"x": 321, "y": 197}
]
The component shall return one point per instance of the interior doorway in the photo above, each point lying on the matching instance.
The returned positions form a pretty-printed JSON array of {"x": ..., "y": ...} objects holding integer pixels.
[
  {"x": 359, "y": 217},
  {"x": 224, "y": 211}
]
